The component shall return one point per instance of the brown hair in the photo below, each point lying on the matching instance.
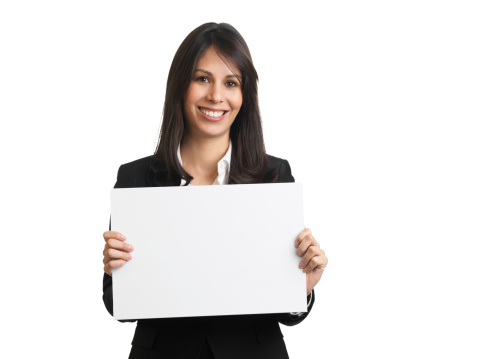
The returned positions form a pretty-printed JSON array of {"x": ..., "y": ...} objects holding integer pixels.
[{"x": 248, "y": 150}]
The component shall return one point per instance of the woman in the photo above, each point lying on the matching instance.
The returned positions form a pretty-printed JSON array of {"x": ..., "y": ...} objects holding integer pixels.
[{"x": 211, "y": 134}]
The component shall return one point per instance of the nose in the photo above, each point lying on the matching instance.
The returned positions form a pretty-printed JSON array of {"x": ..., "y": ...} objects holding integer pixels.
[{"x": 215, "y": 94}]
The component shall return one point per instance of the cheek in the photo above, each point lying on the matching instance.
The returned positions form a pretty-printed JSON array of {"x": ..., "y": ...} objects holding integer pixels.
[
  {"x": 238, "y": 102},
  {"x": 192, "y": 95}
]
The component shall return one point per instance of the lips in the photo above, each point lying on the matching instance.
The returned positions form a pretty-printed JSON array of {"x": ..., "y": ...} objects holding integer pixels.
[{"x": 212, "y": 114}]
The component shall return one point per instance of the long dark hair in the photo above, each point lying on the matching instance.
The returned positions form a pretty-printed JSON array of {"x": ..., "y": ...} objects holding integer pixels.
[{"x": 248, "y": 157}]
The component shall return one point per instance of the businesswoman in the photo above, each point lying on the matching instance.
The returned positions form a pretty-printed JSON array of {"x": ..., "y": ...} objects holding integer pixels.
[{"x": 211, "y": 134}]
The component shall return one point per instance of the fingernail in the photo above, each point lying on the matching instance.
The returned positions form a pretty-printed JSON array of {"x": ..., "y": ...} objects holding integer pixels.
[
  {"x": 128, "y": 256},
  {"x": 130, "y": 247},
  {"x": 301, "y": 265}
]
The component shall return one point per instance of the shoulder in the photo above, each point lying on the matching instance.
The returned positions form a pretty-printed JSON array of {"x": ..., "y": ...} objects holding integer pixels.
[
  {"x": 274, "y": 161},
  {"x": 140, "y": 165},
  {"x": 284, "y": 172},
  {"x": 135, "y": 173}
]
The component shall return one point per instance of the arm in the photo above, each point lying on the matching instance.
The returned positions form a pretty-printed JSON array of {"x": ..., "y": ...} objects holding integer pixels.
[
  {"x": 290, "y": 319},
  {"x": 107, "y": 279},
  {"x": 285, "y": 175}
]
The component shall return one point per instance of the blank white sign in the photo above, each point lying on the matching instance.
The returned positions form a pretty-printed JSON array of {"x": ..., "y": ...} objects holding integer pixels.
[{"x": 209, "y": 250}]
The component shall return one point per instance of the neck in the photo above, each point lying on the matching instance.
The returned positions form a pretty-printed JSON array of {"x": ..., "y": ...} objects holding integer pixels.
[{"x": 200, "y": 155}]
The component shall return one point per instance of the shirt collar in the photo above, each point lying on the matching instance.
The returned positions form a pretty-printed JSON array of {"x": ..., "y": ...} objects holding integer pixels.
[{"x": 223, "y": 166}]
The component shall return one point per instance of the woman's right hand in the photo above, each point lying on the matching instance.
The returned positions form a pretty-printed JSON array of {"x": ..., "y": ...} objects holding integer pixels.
[{"x": 116, "y": 252}]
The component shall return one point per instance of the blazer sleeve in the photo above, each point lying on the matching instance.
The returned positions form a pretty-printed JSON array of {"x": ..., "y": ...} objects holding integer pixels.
[
  {"x": 121, "y": 182},
  {"x": 285, "y": 175}
]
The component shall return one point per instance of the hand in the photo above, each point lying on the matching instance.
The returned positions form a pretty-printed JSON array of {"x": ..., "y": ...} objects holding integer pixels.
[
  {"x": 116, "y": 252},
  {"x": 314, "y": 259}
]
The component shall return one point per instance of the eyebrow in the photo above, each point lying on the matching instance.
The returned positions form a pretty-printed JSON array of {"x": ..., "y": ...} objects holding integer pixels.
[{"x": 210, "y": 74}]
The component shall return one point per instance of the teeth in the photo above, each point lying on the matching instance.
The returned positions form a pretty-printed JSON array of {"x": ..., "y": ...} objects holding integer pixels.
[{"x": 212, "y": 113}]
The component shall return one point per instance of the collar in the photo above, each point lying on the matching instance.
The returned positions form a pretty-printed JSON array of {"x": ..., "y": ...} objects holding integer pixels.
[{"x": 223, "y": 166}]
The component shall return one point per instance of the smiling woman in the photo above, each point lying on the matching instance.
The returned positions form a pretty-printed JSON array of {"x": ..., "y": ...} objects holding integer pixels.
[
  {"x": 212, "y": 69},
  {"x": 211, "y": 134},
  {"x": 213, "y": 100}
]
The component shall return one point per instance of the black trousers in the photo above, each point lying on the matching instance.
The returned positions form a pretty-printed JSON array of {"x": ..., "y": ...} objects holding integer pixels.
[{"x": 206, "y": 352}]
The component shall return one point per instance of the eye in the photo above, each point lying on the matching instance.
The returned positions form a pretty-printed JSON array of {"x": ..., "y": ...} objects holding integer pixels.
[
  {"x": 202, "y": 79},
  {"x": 231, "y": 84}
]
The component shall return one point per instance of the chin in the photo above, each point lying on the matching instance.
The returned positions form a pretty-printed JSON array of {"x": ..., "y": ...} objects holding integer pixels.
[
  {"x": 213, "y": 134},
  {"x": 210, "y": 130}
]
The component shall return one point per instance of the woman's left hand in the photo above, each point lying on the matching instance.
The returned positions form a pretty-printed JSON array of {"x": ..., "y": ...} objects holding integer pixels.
[{"x": 314, "y": 260}]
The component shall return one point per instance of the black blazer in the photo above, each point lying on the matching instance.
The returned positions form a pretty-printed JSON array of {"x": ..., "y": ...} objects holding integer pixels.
[{"x": 233, "y": 336}]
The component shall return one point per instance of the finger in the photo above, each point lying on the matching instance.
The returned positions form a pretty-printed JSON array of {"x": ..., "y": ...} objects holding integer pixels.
[
  {"x": 317, "y": 262},
  {"x": 106, "y": 259},
  {"x": 114, "y": 235},
  {"x": 116, "y": 244},
  {"x": 301, "y": 236},
  {"x": 113, "y": 254},
  {"x": 304, "y": 246},
  {"x": 311, "y": 265},
  {"x": 311, "y": 252},
  {"x": 113, "y": 264}
]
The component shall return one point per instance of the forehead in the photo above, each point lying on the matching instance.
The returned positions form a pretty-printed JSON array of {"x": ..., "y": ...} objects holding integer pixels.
[{"x": 217, "y": 65}]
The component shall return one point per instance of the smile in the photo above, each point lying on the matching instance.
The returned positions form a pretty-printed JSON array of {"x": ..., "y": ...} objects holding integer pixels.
[{"x": 212, "y": 113}]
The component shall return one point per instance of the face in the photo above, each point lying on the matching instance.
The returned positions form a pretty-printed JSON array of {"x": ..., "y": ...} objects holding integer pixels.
[{"x": 214, "y": 97}]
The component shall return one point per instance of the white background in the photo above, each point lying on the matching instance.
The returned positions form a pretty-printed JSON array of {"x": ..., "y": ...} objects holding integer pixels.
[{"x": 374, "y": 104}]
